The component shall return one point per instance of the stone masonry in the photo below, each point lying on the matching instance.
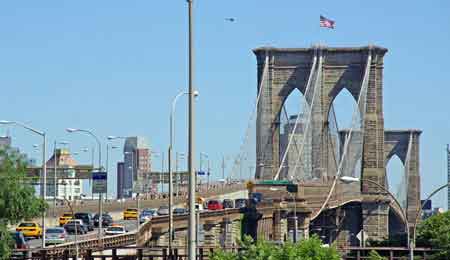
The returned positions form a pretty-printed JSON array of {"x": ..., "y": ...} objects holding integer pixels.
[{"x": 285, "y": 69}]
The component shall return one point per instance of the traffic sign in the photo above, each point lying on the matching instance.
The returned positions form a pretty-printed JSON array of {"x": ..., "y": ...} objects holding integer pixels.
[
  {"x": 201, "y": 173},
  {"x": 99, "y": 184}
]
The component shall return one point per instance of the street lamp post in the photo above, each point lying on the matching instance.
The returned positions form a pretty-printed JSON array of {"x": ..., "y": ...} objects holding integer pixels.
[
  {"x": 100, "y": 203},
  {"x": 44, "y": 166},
  {"x": 170, "y": 159},
  {"x": 419, "y": 211},
  {"x": 192, "y": 243},
  {"x": 348, "y": 179}
]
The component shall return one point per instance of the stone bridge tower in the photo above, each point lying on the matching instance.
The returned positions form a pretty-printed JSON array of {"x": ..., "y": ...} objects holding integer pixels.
[{"x": 289, "y": 68}]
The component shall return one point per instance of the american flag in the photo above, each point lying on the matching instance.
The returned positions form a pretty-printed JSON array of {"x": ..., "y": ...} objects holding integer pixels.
[{"x": 325, "y": 22}]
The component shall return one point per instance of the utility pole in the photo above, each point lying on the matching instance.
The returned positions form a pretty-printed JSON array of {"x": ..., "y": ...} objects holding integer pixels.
[{"x": 192, "y": 243}]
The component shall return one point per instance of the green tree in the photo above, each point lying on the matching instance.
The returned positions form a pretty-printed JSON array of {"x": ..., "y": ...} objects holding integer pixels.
[
  {"x": 17, "y": 199},
  {"x": 373, "y": 255},
  {"x": 435, "y": 233},
  {"x": 308, "y": 249}
]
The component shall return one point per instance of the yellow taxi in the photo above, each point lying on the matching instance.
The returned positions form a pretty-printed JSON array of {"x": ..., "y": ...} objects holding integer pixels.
[
  {"x": 130, "y": 214},
  {"x": 30, "y": 229},
  {"x": 64, "y": 219}
]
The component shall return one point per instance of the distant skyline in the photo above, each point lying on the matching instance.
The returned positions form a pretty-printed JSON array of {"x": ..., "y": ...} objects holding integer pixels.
[{"x": 114, "y": 66}]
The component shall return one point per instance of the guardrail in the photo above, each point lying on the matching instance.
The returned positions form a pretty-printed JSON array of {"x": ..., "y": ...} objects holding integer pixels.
[{"x": 143, "y": 234}]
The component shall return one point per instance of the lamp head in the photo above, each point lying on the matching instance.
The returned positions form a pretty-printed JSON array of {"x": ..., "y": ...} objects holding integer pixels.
[
  {"x": 71, "y": 130},
  {"x": 349, "y": 179},
  {"x": 196, "y": 93},
  {"x": 111, "y": 137},
  {"x": 5, "y": 122}
]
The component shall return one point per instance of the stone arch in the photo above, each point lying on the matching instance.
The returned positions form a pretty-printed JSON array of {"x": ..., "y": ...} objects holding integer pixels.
[
  {"x": 396, "y": 143},
  {"x": 289, "y": 69}
]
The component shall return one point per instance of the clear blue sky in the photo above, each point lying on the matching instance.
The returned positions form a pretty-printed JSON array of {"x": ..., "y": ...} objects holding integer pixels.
[{"x": 114, "y": 66}]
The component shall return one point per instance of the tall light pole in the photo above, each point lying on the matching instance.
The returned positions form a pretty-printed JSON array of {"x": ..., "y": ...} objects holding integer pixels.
[
  {"x": 55, "y": 167},
  {"x": 172, "y": 139},
  {"x": 413, "y": 242},
  {"x": 100, "y": 203},
  {"x": 192, "y": 243},
  {"x": 44, "y": 166},
  {"x": 348, "y": 179}
]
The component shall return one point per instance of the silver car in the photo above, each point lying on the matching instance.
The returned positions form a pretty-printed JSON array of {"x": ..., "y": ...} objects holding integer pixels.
[
  {"x": 163, "y": 210},
  {"x": 54, "y": 236}
]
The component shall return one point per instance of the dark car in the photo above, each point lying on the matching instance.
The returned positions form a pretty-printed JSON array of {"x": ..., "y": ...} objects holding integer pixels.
[
  {"x": 106, "y": 220},
  {"x": 86, "y": 218},
  {"x": 20, "y": 246},
  {"x": 180, "y": 211},
  {"x": 228, "y": 204},
  {"x": 76, "y": 226},
  {"x": 240, "y": 203}
]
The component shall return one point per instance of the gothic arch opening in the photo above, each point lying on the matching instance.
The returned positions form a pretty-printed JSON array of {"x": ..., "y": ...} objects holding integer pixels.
[
  {"x": 341, "y": 115},
  {"x": 294, "y": 106},
  {"x": 396, "y": 179}
]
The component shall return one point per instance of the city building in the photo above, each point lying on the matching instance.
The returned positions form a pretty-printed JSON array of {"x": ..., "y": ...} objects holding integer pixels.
[
  {"x": 120, "y": 179},
  {"x": 67, "y": 186},
  {"x": 136, "y": 166}
]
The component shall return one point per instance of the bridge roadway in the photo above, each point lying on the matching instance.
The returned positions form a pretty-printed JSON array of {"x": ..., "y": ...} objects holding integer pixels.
[
  {"x": 231, "y": 192},
  {"x": 312, "y": 195},
  {"x": 145, "y": 232}
]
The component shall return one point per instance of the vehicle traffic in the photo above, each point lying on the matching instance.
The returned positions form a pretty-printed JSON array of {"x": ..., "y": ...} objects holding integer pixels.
[
  {"x": 115, "y": 230},
  {"x": 30, "y": 229},
  {"x": 240, "y": 203},
  {"x": 55, "y": 236},
  {"x": 180, "y": 211},
  {"x": 214, "y": 205},
  {"x": 228, "y": 204},
  {"x": 65, "y": 218},
  {"x": 76, "y": 226},
  {"x": 147, "y": 214},
  {"x": 106, "y": 220},
  {"x": 163, "y": 210},
  {"x": 86, "y": 218},
  {"x": 130, "y": 213}
]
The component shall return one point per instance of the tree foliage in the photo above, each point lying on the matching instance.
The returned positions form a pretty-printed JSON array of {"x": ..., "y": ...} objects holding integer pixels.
[
  {"x": 435, "y": 233},
  {"x": 17, "y": 198},
  {"x": 373, "y": 255},
  {"x": 308, "y": 249}
]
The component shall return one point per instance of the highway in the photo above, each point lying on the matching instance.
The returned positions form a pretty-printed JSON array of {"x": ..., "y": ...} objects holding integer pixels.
[{"x": 130, "y": 225}]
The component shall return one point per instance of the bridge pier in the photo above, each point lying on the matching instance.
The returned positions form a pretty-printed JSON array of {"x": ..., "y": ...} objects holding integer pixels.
[
  {"x": 375, "y": 220},
  {"x": 212, "y": 233}
]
